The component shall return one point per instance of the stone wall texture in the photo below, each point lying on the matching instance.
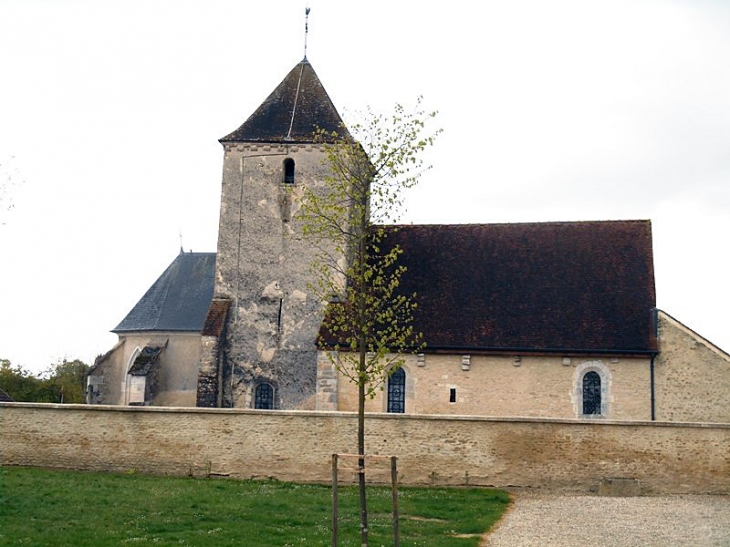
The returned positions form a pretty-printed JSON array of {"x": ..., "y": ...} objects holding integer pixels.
[
  {"x": 691, "y": 383},
  {"x": 263, "y": 266},
  {"x": 499, "y": 385},
  {"x": 209, "y": 394},
  {"x": 692, "y": 376},
  {"x": 567, "y": 455}
]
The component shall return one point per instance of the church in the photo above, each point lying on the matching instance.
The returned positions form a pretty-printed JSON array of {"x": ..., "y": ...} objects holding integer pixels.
[{"x": 551, "y": 320}]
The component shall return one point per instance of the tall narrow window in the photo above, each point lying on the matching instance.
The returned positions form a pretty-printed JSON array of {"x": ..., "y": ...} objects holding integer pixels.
[
  {"x": 278, "y": 322},
  {"x": 132, "y": 389},
  {"x": 264, "y": 397},
  {"x": 591, "y": 393},
  {"x": 289, "y": 171},
  {"x": 397, "y": 391}
]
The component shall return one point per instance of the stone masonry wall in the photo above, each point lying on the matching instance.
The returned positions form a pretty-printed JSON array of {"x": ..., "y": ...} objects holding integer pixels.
[
  {"x": 263, "y": 265},
  {"x": 692, "y": 376},
  {"x": 691, "y": 383},
  {"x": 208, "y": 373},
  {"x": 566, "y": 455},
  {"x": 517, "y": 386}
]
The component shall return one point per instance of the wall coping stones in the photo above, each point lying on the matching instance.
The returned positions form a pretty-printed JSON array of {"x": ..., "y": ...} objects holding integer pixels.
[{"x": 369, "y": 415}]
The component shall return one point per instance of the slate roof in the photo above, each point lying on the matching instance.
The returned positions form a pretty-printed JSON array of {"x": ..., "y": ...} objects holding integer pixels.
[
  {"x": 5, "y": 398},
  {"x": 178, "y": 300},
  {"x": 292, "y": 113},
  {"x": 564, "y": 287},
  {"x": 146, "y": 359}
]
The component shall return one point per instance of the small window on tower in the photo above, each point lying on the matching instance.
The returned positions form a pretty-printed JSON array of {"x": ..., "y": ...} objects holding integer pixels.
[
  {"x": 289, "y": 171},
  {"x": 264, "y": 397}
]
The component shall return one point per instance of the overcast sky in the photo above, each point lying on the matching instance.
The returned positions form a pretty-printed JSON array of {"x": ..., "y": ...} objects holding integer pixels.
[{"x": 111, "y": 111}]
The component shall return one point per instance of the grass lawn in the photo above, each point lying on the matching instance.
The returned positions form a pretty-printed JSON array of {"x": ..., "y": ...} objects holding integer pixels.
[{"x": 66, "y": 508}]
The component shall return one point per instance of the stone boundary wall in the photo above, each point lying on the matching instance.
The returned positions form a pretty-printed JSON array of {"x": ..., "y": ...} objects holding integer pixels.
[{"x": 566, "y": 455}]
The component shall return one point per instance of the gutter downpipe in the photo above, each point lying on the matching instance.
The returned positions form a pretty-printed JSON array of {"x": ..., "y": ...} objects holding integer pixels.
[
  {"x": 653, "y": 398},
  {"x": 655, "y": 320}
]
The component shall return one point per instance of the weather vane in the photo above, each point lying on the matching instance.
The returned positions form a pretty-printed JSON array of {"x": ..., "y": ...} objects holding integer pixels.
[{"x": 306, "y": 29}]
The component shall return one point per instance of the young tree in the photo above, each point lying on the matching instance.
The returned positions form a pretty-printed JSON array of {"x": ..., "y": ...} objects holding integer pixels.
[{"x": 368, "y": 323}]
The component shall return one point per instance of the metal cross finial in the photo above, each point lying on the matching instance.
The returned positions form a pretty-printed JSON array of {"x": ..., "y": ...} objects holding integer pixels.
[{"x": 306, "y": 29}]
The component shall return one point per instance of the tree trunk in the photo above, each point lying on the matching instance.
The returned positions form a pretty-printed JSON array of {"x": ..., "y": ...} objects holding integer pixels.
[
  {"x": 362, "y": 369},
  {"x": 361, "y": 447}
]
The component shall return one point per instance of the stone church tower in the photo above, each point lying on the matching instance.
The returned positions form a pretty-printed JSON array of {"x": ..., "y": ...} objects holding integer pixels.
[{"x": 259, "y": 336}]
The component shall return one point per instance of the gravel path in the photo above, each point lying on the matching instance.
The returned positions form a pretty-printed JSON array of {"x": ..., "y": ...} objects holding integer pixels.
[{"x": 570, "y": 521}]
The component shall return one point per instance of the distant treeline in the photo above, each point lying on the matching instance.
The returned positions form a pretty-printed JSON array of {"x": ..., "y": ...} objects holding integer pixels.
[{"x": 64, "y": 382}]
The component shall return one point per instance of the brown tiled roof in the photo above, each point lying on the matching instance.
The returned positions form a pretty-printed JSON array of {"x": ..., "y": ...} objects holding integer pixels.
[
  {"x": 292, "y": 113},
  {"x": 567, "y": 287},
  {"x": 215, "y": 321}
]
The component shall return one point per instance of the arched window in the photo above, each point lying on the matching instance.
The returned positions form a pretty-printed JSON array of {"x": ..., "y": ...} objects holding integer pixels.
[
  {"x": 131, "y": 384},
  {"x": 264, "y": 397},
  {"x": 591, "y": 393},
  {"x": 397, "y": 391},
  {"x": 289, "y": 171}
]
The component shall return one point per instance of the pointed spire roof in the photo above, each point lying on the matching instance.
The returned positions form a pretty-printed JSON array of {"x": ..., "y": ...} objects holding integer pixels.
[{"x": 293, "y": 112}]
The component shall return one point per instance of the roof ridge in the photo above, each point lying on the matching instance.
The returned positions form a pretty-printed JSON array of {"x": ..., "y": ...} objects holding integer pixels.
[
  {"x": 296, "y": 99},
  {"x": 526, "y": 223}
]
